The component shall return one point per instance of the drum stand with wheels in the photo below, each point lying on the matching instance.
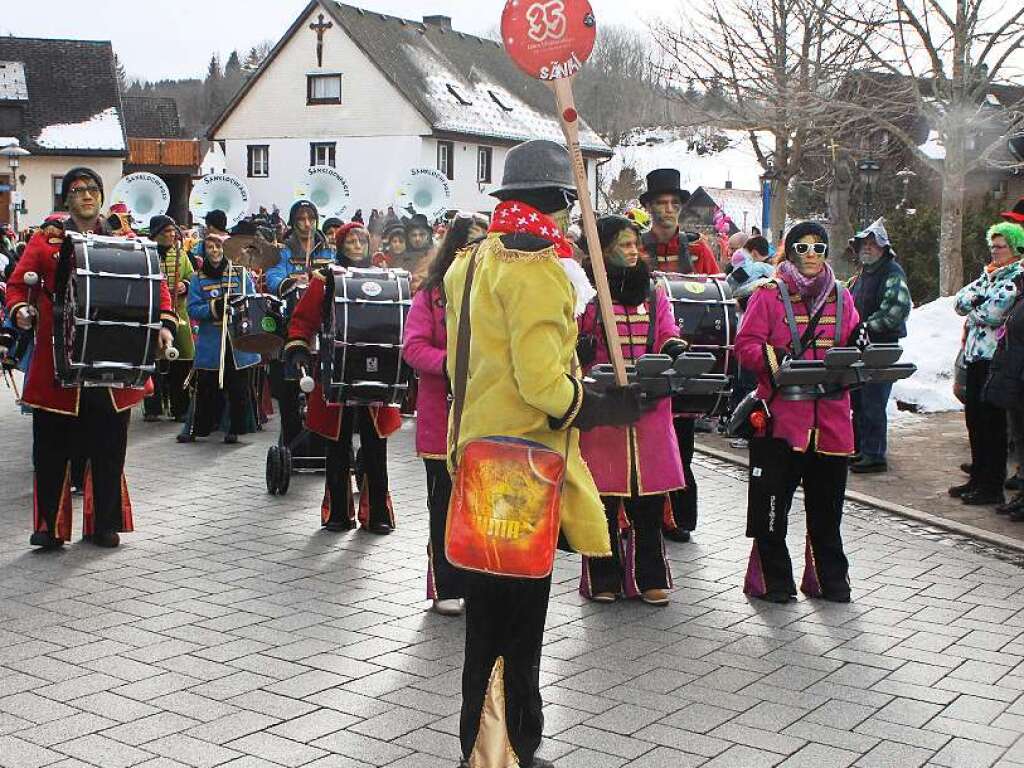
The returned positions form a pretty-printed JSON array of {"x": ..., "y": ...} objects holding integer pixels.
[{"x": 281, "y": 463}]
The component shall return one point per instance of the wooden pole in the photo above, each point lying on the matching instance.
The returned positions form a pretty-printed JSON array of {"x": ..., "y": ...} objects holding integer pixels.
[{"x": 568, "y": 118}]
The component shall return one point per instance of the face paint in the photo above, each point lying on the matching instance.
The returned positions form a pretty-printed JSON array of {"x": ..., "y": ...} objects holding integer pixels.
[
  {"x": 664, "y": 211},
  {"x": 562, "y": 219},
  {"x": 624, "y": 251}
]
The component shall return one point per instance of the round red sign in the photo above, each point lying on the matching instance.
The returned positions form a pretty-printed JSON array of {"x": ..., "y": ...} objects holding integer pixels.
[{"x": 548, "y": 39}]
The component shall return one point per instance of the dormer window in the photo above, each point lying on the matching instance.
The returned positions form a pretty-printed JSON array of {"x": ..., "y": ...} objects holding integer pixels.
[
  {"x": 323, "y": 89},
  {"x": 498, "y": 101},
  {"x": 458, "y": 96}
]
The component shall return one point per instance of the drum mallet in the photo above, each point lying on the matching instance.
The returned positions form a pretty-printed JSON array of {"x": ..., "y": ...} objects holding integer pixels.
[
  {"x": 306, "y": 383},
  {"x": 31, "y": 280},
  {"x": 171, "y": 353}
]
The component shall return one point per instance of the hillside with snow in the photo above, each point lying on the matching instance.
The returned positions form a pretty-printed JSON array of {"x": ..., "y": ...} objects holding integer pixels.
[{"x": 704, "y": 157}]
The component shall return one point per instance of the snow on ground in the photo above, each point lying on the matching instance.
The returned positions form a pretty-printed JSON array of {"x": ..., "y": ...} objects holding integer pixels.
[
  {"x": 932, "y": 343},
  {"x": 648, "y": 148},
  {"x": 933, "y": 148},
  {"x": 101, "y": 131}
]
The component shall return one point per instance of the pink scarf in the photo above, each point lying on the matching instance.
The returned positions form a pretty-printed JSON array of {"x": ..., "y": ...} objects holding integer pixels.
[{"x": 813, "y": 290}]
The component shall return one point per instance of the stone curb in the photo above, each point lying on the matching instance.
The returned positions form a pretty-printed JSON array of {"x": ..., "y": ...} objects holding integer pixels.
[{"x": 963, "y": 529}]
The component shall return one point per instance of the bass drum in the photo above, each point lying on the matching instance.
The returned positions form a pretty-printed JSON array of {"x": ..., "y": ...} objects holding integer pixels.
[
  {"x": 106, "y": 322},
  {"x": 362, "y": 336},
  {"x": 706, "y": 313}
]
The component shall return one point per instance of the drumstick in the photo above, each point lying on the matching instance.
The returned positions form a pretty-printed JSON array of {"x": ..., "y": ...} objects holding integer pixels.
[
  {"x": 224, "y": 330},
  {"x": 306, "y": 383},
  {"x": 31, "y": 280},
  {"x": 171, "y": 353}
]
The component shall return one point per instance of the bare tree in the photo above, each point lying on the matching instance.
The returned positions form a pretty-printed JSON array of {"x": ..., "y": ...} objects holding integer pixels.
[
  {"x": 948, "y": 61},
  {"x": 752, "y": 61}
]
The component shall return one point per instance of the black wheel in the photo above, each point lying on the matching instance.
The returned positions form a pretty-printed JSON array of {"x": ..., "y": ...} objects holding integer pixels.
[
  {"x": 273, "y": 470},
  {"x": 285, "y": 478}
]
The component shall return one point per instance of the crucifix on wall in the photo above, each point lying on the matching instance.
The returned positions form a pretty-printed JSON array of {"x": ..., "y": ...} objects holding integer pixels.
[{"x": 320, "y": 27}]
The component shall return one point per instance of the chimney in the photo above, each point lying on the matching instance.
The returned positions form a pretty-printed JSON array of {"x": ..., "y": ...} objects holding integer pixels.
[
  {"x": 444, "y": 22},
  {"x": 728, "y": 184}
]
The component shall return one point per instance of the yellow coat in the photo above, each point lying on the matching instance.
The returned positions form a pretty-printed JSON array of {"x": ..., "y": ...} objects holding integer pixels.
[{"x": 521, "y": 356}]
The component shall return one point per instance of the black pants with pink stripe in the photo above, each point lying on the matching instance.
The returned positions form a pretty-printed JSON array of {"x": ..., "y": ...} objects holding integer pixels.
[
  {"x": 638, "y": 561},
  {"x": 776, "y": 471},
  {"x": 374, "y": 500},
  {"x": 99, "y": 435}
]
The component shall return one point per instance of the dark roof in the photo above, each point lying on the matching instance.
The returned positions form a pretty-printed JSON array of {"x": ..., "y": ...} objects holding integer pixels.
[
  {"x": 69, "y": 82},
  {"x": 461, "y": 84},
  {"x": 151, "y": 117}
]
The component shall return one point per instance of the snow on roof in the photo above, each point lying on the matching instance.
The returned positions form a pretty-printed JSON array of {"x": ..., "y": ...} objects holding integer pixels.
[
  {"x": 101, "y": 131},
  {"x": 933, "y": 147},
  {"x": 12, "y": 81},
  {"x": 711, "y": 164},
  {"x": 932, "y": 341},
  {"x": 743, "y": 206},
  {"x": 478, "y": 105}
]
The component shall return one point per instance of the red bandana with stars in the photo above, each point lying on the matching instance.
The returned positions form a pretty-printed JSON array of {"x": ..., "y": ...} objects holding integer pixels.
[{"x": 514, "y": 216}]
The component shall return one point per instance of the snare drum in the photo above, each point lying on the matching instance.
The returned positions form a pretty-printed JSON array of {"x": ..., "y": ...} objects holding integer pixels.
[
  {"x": 106, "y": 322},
  {"x": 256, "y": 324},
  {"x": 706, "y": 313},
  {"x": 361, "y": 338}
]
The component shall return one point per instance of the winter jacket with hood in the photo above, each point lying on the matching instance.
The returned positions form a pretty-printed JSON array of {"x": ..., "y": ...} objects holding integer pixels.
[
  {"x": 426, "y": 349},
  {"x": 880, "y": 290},
  {"x": 986, "y": 303}
]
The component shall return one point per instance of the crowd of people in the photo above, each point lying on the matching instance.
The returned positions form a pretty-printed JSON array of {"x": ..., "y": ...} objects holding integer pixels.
[{"x": 501, "y": 333}]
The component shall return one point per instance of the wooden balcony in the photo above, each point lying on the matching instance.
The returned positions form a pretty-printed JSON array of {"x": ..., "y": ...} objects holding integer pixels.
[{"x": 180, "y": 154}]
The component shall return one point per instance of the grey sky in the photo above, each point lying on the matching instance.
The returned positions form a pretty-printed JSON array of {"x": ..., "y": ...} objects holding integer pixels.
[{"x": 174, "y": 38}]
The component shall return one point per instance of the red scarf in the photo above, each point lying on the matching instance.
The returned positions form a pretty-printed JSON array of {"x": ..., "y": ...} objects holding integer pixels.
[{"x": 514, "y": 216}]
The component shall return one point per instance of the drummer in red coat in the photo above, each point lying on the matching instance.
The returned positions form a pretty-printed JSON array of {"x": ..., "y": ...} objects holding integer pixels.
[
  {"x": 338, "y": 423},
  {"x": 67, "y": 421}
]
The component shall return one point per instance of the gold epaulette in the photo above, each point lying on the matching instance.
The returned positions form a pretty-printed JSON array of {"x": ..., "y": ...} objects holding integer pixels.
[{"x": 510, "y": 254}]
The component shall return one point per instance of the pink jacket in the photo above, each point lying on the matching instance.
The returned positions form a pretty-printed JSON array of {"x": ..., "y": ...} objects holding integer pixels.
[
  {"x": 763, "y": 330},
  {"x": 425, "y": 350},
  {"x": 649, "y": 447}
]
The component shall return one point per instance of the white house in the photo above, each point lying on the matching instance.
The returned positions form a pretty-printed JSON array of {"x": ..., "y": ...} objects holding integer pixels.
[{"x": 376, "y": 95}]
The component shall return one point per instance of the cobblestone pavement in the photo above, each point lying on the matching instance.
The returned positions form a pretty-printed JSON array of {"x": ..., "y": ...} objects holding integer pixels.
[
  {"x": 925, "y": 453},
  {"x": 230, "y": 631}
]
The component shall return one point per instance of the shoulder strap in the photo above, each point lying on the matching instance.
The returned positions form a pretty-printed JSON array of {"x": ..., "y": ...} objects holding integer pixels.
[
  {"x": 462, "y": 357},
  {"x": 652, "y": 315},
  {"x": 837, "y": 338},
  {"x": 794, "y": 331}
]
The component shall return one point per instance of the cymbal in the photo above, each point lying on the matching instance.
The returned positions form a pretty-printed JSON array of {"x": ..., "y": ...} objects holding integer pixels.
[{"x": 251, "y": 251}]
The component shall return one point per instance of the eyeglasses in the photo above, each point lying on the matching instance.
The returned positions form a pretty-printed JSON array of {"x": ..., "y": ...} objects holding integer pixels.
[
  {"x": 91, "y": 190},
  {"x": 803, "y": 249}
]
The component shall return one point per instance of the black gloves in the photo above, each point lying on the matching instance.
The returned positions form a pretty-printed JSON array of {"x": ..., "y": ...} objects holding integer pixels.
[
  {"x": 586, "y": 349},
  {"x": 674, "y": 348},
  {"x": 295, "y": 359},
  {"x": 613, "y": 407},
  {"x": 7, "y": 340}
]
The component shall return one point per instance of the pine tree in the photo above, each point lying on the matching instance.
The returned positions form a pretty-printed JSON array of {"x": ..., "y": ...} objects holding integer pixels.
[
  {"x": 234, "y": 66},
  {"x": 122, "y": 75}
]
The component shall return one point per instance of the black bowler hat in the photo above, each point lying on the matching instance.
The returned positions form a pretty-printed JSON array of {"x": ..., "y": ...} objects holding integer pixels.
[
  {"x": 663, "y": 181},
  {"x": 1015, "y": 214}
]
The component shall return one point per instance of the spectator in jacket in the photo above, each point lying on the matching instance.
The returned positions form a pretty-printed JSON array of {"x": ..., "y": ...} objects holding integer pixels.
[
  {"x": 883, "y": 302},
  {"x": 986, "y": 303}
]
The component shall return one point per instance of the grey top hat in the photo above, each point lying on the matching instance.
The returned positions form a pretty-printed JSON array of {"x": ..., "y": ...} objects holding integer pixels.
[{"x": 536, "y": 164}]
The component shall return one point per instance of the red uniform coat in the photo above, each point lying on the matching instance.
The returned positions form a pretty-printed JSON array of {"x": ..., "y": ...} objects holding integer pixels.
[
  {"x": 664, "y": 257},
  {"x": 41, "y": 388},
  {"x": 322, "y": 417}
]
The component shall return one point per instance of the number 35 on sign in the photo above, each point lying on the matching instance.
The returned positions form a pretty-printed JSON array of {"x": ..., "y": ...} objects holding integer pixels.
[{"x": 549, "y": 39}]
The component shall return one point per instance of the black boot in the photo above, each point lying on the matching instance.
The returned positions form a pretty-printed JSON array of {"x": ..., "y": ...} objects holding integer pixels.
[
  {"x": 983, "y": 497},
  {"x": 959, "y": 490},
  {"x": 106, "y": 539},
  {"x": 45, "y": 540}
]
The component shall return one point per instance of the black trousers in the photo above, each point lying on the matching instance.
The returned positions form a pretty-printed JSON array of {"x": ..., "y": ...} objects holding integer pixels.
[
  {"x": 776, "y": 470},
  {"x": 638, "y": 561},
  {"x": 684, "y": 502},
  {"x": 986, "y": 430},
  {"x": 504, "y": 618},
  {"x": 338, "y": 506},
  {"x": 170, "y": 395},
  {"x": 444, "y": 581},
  {"x": 210, "y": 399},
  {"x": 99, "y": 435}
]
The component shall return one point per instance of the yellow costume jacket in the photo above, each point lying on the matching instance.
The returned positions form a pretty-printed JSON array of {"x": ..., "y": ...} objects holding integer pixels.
[{"x": 521, "y": 355}]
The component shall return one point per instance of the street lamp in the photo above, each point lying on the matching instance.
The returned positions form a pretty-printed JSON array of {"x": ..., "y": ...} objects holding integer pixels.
[
  {"x": 869, "y": 170},
  {"x": 905, "y": 176},
  {"x": 14, "y": 153},
  {"x": 768, "y": 181}
]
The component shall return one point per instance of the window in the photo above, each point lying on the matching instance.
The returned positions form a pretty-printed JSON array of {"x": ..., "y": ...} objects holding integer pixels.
[
  {"x": 446, "y": 158},
  {"x": 259, "y": 160},
  {"x": 323, "y": 89},
  {"x": 483, "y": 164},
  {"x": 322, "y": 153},
  {"x": 58, "y": 198}
]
